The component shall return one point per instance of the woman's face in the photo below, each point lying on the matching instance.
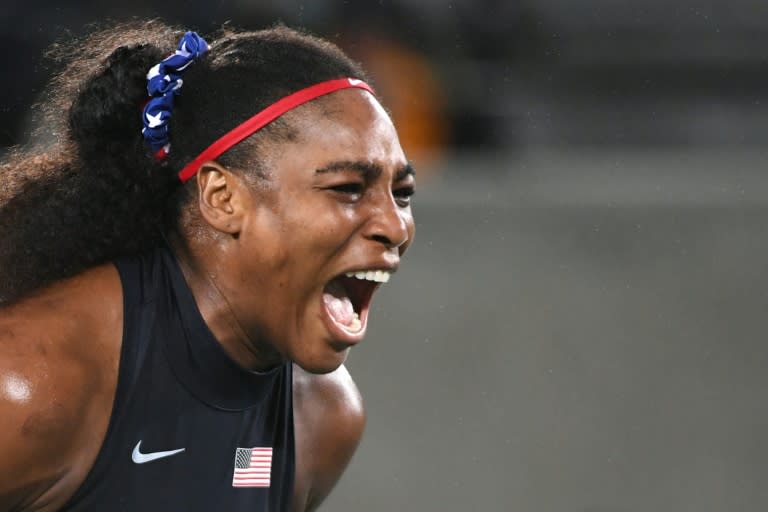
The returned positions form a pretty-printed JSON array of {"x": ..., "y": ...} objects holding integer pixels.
[{"x": 327, "y": 229}]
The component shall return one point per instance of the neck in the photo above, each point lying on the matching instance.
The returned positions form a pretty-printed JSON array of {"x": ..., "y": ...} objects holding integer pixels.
[{"x": 213, "y": 298}]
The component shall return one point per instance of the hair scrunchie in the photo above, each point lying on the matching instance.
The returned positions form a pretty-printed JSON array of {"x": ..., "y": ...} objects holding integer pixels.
[{"x": 163, "y": 83}]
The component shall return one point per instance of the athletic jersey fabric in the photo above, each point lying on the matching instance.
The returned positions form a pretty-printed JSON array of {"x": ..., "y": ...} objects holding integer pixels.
[{"x": 190, "y": 429}]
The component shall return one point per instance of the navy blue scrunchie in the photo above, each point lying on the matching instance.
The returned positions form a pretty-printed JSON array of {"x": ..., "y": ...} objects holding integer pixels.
[{"x": 163, "y": 83}]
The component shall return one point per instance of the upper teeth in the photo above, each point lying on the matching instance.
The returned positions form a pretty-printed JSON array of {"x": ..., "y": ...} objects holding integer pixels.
[{"x": 379, "y": 276}]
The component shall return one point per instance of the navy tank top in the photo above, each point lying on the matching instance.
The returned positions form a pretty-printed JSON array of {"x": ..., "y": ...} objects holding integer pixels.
[{"x": 190, "y": 429}]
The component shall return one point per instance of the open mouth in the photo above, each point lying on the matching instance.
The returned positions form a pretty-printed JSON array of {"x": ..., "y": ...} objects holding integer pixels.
[{"x": 347, "y": 298}]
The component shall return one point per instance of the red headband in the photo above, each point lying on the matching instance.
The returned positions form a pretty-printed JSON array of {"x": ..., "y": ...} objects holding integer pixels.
[{"x": 265, "y": 117}]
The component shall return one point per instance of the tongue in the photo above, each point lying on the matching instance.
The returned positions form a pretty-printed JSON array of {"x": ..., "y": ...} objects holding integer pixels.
[{"x": 338, "y": 304}]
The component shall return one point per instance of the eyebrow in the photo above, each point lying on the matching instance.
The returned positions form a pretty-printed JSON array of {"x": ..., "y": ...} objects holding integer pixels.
[{"x": 368, "y": 170}]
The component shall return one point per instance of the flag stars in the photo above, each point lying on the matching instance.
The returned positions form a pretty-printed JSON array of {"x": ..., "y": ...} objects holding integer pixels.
[
  {"x": 163, "y": 84},
  {"x": 154, "y": 121},
  {"x": 153, "y": 72}
]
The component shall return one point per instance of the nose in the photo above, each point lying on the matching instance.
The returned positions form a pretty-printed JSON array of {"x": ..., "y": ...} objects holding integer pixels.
[{"x": 388, "y": 223}]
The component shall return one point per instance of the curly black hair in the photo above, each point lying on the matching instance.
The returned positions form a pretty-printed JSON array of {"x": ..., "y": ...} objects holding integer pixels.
[{"x": 87, "y": 192}]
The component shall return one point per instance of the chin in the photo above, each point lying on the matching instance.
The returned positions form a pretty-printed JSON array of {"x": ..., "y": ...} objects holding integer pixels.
[{"x": 324, "y": 363}]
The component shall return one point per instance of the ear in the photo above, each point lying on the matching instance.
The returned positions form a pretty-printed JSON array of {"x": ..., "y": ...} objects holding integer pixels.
[{"x": 220, "y": 197}]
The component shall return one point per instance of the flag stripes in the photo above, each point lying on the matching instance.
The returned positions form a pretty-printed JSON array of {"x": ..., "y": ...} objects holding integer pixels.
[{"x": 253, "y": 467}]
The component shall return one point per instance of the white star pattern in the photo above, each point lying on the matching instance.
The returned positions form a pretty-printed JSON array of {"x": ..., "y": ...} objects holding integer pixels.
[
  {"x": 154, "y": 121},
  {"x": 164, "y": 82},
  {"x": 153, "y": 72}
]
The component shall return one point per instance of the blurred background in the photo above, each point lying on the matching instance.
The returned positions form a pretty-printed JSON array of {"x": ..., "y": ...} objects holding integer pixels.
[{"x": 579, "y": 325}]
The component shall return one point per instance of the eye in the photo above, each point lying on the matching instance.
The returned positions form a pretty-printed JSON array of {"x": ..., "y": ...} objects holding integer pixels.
[
  {"x": 403, "y": 195},
  {"x": 352, "y": 190}
]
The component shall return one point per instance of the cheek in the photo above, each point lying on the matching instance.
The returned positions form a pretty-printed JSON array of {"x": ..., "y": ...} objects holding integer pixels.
[
  {"x": 324, "y": 225},
  {"x": 410, "y": 226},
  {"x": 291, "y": 247},
  {"x": 296, "y": 233}
]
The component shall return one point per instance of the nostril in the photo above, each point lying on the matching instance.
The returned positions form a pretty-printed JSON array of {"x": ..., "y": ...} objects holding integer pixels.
[{"x": 382, "y": 239}]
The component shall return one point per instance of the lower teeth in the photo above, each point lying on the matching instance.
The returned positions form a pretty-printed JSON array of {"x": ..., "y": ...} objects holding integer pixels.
[{"x": 355, "y": 323}]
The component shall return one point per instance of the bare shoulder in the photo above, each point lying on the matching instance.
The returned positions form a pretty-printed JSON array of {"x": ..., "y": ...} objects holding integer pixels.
[
  {"x": 335, "y": 389},
  {"x": 329, "y": 419},
  {"x": 58, "y": 366}
]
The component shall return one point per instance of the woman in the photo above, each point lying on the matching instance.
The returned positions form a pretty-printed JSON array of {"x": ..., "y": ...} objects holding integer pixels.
[{"x": 183, "y": 273}]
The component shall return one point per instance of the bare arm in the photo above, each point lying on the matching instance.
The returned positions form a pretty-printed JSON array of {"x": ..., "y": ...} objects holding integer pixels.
[
  {"x": 56, "y": 387},
  {"x": 329, "y": 421},
  {"x": 39, "y": 423}
]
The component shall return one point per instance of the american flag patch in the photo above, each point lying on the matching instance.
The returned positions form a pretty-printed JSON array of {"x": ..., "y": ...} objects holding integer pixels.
[{"x": 253, "y": 467}]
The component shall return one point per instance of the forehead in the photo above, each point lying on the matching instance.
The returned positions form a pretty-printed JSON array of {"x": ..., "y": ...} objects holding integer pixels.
[{"x": 348, "y": 125}]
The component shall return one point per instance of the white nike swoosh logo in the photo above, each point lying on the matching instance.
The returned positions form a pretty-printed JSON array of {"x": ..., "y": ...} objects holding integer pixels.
[{"x": 141, "y": 458}]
